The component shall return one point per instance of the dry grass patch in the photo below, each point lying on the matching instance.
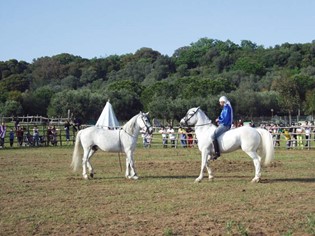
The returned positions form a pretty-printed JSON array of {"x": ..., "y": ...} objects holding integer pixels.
[{"x": 41, "y": 195}]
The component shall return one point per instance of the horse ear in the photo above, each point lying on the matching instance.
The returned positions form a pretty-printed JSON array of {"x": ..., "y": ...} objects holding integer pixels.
[
  {"x": 147, "y": 113},
  {"x": 140, "y": 112}
]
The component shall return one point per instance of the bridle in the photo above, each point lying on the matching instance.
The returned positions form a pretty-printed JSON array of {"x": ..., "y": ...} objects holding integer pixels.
[
  {"x": 145, "y": 123},
  {"x": 192, "y": 115}
]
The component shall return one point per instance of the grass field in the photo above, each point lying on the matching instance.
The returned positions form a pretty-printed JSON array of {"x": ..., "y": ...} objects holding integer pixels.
[{"x": 40, "y": 195}]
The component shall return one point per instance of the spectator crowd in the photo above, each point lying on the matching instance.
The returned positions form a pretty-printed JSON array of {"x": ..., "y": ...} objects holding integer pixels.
[{"x": 294, "y": 136}]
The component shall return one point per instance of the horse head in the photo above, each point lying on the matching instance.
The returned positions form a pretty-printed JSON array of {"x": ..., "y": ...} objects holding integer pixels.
[
  {"x": 144, "y": 122},
  {"x": 190, "y": 119}
]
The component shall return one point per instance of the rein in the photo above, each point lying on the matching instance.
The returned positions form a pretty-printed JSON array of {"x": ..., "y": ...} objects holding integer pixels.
[
  {"x": 127, "y": 133},
  {"x": 119, "y": 151},
  {"x": 204, "y": 124}
]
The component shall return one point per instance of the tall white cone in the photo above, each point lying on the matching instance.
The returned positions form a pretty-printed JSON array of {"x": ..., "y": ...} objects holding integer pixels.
[{"x": 107, "y": 119}]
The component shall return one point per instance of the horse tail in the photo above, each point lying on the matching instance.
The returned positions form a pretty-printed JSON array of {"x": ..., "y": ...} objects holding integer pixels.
[
  {"x": 266, "y": 146},
  {"x": 76, "y": 153}
]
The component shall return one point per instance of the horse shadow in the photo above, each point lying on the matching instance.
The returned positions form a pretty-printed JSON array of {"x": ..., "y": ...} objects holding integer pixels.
[
  {"x": 263, "y": 181},
  {"x": 297, "y": 180},
  {"x": 148, "y": 177}
]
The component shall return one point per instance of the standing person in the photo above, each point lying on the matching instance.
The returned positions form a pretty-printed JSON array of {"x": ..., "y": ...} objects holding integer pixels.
[
  {"x": 67, "y": 129},
  {"x": 190, "y": 137},
  {"x": 144, "y": 137},
  {"x": 3, "y": 130},
  {"x": 292, "y": 131},
  {"x": 224, "y": 121},
  {"x": 299, "y": 136},
  {"x": 172, "y": 135},
  {"x": 163, "y": 131},
  {"x": 11, "y": 136},
  {"x": 182, "y": 137},
  {"x": 49, "y": 134},
  {"x": 287, "y": 137},
  {"x": 54, "y": 136},
  {"x": 19, "y": 135},
  {"x": 77, "y": 122},
  {"x": 35, "y": 136},
  {"x": 307, "y": 134},
  {"x": 149, "y": 139}
]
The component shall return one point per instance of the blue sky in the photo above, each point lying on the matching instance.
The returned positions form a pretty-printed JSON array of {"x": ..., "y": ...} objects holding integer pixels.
[{"x": 99, "y": 28}]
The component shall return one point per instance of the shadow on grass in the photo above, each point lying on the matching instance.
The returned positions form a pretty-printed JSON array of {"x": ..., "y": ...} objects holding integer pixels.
[
  {"x": 298, "y": 180},
  {"x": 264, "y": 181},
  {"x": 145, "y": 177}
]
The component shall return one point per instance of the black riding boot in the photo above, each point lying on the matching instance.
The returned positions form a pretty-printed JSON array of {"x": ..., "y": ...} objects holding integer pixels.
[{"x": 216, "y": 149}]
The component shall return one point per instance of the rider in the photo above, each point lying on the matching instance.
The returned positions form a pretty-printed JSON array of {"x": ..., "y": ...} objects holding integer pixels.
[{"x": 224, "y": 121}]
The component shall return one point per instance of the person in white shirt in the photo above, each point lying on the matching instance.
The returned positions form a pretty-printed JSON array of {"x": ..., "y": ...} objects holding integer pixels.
[
  {"x": 171, "y": 132},
  {"x": 307, "y": 129},
  {"x": 163, "y": 131},
  {"x": 3, "y": 130}
]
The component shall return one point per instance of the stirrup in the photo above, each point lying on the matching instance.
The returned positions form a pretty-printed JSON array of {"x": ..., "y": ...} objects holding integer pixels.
[{"x": 215, "y": 156}]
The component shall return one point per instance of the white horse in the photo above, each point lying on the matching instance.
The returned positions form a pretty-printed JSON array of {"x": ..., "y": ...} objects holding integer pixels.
[
  {"x": 117, "y": 140},
  {"x": 249, "y": 139}
]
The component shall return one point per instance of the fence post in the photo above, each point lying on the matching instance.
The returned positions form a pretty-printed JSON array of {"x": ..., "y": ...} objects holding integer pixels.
[{"x": 60, "y": 137}]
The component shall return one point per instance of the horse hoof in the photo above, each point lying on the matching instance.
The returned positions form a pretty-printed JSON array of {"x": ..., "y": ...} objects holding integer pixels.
[
  {"x": 255, "y": 180},
  {"x": 92, "y": 175},
  {"x": 85, "y": 177},
  {"x": 197, "y": 180},
  {"x": 132, "y": 177},
  {"x": 211, "y": 178}
]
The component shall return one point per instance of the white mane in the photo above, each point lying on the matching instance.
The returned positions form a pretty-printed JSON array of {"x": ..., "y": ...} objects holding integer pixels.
[{"x": 130, "y": 126}]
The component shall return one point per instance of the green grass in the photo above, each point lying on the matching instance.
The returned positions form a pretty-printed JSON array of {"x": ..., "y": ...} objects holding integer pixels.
[{"x": 41, "y": 195}]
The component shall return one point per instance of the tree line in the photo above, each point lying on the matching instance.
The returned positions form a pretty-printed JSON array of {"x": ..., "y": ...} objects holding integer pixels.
[{"x": 254, "y": 78}]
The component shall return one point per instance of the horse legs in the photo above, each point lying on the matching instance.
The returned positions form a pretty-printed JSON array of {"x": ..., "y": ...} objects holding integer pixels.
[
  {"x": 204, "y": 159},
  {"x": 256, "y": 161},
  {"x": 130, "y": 166},
  {"x": 89, "y": 165},
  {"x": 86, "y": 163},
  {"x": 210, "y": 176}
]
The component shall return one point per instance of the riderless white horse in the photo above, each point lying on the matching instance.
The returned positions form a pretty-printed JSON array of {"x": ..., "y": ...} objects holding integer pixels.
[
  {"x": 117, "y": 140},
  {"x": 252, "y": 141}
]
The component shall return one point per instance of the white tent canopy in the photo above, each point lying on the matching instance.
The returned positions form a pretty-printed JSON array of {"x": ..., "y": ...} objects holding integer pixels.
[{"x": 107, "y": 118}]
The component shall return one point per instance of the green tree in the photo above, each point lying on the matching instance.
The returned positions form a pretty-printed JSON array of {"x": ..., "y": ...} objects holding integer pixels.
[
  {"x": 83, "y": 104},
  {"x": 310, "y": 102},
  {"x": 287, "y": 88},
  {"x": 88, "y": 76},
  {"x": 37, "y": 102},
  {"x": 125, "y": 97},
  {"x": 11, "y": 108},
  {"x": 14, "y": 82}
]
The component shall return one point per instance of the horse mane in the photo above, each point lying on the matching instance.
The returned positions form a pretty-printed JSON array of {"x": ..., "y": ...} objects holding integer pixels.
[
  {"x": 208, "y": 119},
  {"x": 129, "y": 127}
]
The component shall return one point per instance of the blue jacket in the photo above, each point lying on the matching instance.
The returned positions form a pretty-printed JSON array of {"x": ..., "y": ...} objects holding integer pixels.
[{"x": 225, "y": 117}]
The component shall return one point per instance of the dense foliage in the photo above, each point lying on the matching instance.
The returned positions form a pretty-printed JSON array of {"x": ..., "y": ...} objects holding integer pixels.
[{"x": 256, "y": 79}]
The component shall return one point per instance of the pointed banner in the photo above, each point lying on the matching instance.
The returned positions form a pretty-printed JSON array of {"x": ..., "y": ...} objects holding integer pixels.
[{"x": 107, "y": 118}]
